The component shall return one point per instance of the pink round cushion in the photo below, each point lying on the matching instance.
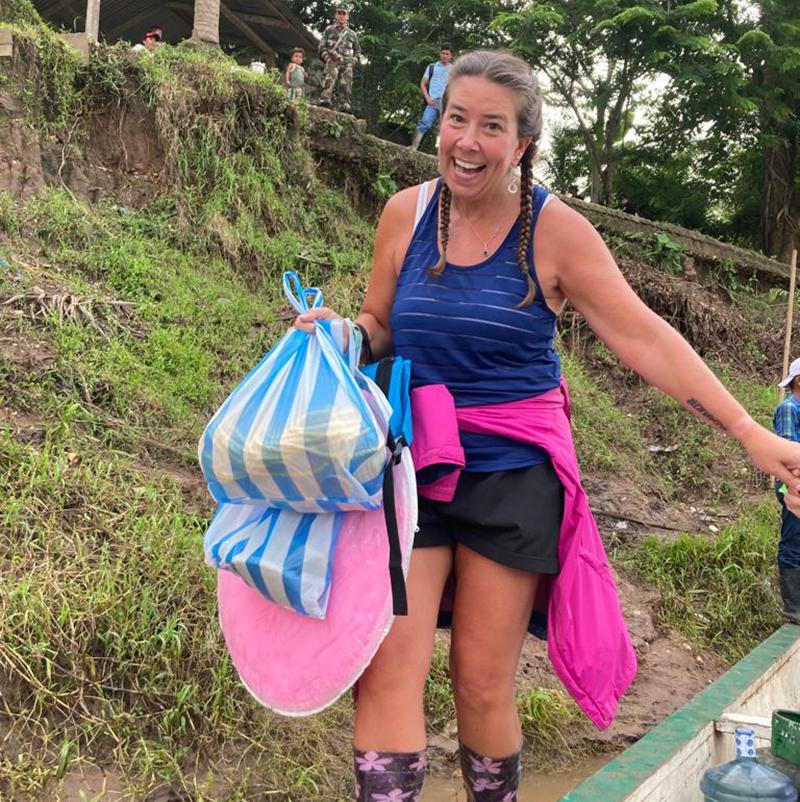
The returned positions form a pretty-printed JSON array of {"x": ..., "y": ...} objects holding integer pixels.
[{"x": 297, "y": 665}]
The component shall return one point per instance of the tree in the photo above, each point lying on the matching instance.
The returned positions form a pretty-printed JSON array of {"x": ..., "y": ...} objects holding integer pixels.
[
  {"x": 565, "y": 160},
  {"x": 772, "y": 53},
  {"x": 206, "y": 22},
  {"x": 601, "y": 60},
  {"x": 398, "y": 39},
  {"x": 737, "y": 104}
]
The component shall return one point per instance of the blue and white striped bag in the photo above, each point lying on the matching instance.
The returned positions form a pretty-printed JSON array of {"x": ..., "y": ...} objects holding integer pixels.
[
  {"x": 305, "y": 430},
  {"x": 286, "y": 556}
]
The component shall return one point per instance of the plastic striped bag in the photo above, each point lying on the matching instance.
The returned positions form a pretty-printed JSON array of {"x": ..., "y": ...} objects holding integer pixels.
[
  {"x": 286, "y": 556},
  {"x": 305, "y": 430}
]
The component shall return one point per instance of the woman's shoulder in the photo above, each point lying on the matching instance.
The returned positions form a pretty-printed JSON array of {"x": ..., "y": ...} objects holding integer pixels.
[
  {"x": 564, "y": 238},
  {"x": 403, "y": 204},
  {"x": 558, "y": 219}
]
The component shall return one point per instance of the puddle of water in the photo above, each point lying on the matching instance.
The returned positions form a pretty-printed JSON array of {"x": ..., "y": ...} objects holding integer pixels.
[{"x": 535, "y": 787}]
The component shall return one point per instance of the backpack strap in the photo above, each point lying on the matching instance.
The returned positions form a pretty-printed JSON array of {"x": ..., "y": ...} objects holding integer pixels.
[
  {"x": 422, "y": 203},
  {"x": 383, "y": 379},
  {"x": 429, "y": 74}
]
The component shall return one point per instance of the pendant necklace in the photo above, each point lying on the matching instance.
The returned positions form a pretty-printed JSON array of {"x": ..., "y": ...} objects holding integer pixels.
[{"x": 485, "y": 243}]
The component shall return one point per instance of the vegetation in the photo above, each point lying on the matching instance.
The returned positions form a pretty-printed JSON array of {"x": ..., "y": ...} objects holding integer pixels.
[
  {"x": 688, "y": 108},
  {"x": 123, "y": 327},
  {"x": 718, "y": 591}
]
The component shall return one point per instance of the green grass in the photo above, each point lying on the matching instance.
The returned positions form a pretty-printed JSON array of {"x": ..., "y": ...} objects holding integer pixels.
[
  {"x": 717, "y": 590},
  {"x": 8, "y": 217},
  {"x": 107, "y": 637},
  {"x": 606, "y": 436},
  {"x": 109, "y": 651}
]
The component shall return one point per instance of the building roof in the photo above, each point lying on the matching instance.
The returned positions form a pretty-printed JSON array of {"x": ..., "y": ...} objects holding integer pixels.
[{"x": 262, "y": 25}]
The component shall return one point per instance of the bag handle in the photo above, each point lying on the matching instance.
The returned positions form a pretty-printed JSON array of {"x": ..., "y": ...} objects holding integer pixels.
[
  {"x": 298, "y": 295},
  {"x": 305, "y": 298}
]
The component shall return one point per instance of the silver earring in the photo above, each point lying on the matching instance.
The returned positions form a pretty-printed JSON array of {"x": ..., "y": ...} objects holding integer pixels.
[{"x": 513, "y": 182}]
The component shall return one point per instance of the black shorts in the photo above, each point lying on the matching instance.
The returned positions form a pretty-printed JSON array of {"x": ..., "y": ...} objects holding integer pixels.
[{"x": 512, "y": 517}]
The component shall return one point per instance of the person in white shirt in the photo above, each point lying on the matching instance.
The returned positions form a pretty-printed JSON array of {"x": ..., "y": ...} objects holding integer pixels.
[{"x": 432, "y": 87}]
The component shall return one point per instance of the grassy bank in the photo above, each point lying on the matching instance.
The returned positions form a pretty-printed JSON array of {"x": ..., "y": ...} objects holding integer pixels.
[
  {"x": 122, "y": 327},
  {"x": 718, "y": 590}
]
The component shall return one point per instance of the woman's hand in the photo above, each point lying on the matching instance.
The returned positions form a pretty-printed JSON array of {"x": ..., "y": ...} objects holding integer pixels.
[
  {"x": 305, "y": 322},
  {"x": 775, "y": 456}
]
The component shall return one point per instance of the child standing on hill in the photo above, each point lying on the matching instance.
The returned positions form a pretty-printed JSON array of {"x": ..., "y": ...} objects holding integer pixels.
[{"x": 296, "y": 75}]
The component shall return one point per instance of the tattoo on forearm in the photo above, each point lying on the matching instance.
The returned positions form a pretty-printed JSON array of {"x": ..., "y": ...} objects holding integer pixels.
[{"x": 704, "y": 413}]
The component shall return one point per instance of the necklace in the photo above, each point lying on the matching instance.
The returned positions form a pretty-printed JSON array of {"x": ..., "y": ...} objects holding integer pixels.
[{"x": 484, "y": 242}]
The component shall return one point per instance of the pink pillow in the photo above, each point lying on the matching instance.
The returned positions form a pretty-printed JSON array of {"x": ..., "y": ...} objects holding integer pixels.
[{"x": 298, "y": 665}]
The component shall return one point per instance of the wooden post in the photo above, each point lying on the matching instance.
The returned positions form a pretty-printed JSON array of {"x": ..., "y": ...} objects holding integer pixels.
[
  {"x": 6, "y": 43},
  {"x": 92, "y": 20},
  {"x": 787, "y": 339}
]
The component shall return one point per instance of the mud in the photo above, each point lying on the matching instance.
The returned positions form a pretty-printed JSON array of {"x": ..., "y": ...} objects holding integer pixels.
[{"x": 535, "y": 787}]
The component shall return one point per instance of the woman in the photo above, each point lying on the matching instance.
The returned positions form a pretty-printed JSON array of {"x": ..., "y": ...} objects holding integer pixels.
[{"x": 471, "y": 295}]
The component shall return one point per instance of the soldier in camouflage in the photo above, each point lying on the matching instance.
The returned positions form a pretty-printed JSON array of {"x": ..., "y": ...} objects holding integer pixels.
[{"x": 339, "y": 50}]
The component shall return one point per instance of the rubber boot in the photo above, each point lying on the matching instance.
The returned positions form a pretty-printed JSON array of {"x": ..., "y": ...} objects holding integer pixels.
[
  {"x": 388, "y": 775},
  {"x": 416, "y": 140},
  {"x": 490, "y": 779},
  {"x": 790, "y": 593}
]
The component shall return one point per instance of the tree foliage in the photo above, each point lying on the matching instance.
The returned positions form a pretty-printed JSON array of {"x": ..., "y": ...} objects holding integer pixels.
[
  {"x": 689, "y": 107},
  {"x": 399, "y": 39},
  {"x": 600, "y": 59}
]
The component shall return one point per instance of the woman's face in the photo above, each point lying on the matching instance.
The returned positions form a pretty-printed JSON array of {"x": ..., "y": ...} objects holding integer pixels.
[{"x": 478, "y": 141}]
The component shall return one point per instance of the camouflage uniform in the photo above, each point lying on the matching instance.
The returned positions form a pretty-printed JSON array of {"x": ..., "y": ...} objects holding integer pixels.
[{"x": 339, "y": 49}]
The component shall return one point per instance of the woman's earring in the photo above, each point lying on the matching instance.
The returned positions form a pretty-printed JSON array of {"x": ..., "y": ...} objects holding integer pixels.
[{"x": 513, "y": 182}]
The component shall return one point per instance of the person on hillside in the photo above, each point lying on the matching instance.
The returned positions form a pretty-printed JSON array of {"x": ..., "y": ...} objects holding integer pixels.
[
  {"x": 626, "y": 206},
  {"x": 432, "y": 85},
  {"x": 470, "y": 291},
  {"x": 151, "y": 42},
  {"x": 786, "y": 423},
  {"x": 339, "y": 50},
  {"x": 295, "y": 75}
]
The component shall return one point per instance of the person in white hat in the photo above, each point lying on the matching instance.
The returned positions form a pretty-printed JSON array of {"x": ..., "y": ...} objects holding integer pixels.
[{"x": 786, "y": 423}]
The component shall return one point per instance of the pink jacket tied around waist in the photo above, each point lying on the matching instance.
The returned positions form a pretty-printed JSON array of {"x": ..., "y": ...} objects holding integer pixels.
[{"x": 587, "y": 640}]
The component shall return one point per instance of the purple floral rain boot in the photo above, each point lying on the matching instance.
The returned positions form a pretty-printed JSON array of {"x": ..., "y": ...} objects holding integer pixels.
[
  {"x": 488, "y": 779},
  {"x": 389, "y": 776}
]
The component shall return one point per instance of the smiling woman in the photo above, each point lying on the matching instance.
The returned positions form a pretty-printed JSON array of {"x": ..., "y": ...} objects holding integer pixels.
[{"x": 468, "y": 277}]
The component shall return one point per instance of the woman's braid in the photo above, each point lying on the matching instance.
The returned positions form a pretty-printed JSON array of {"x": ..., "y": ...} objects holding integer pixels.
[
  {"x": 444, "y": 230},
  {"x": 525, "y": 214}
]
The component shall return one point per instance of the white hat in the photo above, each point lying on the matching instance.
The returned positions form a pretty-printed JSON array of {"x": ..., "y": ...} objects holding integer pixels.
[{"x": 794, "y": 371}]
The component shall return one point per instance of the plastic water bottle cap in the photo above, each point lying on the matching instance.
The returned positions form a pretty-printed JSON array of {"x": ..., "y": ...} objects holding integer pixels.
[{"x": 745, "y": 742}]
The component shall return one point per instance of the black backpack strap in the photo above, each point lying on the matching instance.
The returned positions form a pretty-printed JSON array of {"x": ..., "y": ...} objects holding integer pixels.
[
  {"x": 396, "y": 578},
  {"x": 383, "y": 378}
]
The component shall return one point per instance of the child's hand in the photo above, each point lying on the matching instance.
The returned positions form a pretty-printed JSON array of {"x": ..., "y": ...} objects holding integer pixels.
[{"x": 305, "y": 322}]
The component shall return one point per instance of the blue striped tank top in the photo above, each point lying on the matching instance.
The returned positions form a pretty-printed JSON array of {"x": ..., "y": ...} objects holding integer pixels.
[{"x": 463, "y": 329}]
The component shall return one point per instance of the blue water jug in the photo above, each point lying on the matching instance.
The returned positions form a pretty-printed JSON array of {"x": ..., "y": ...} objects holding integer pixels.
[{"x": 745, "y": 779}]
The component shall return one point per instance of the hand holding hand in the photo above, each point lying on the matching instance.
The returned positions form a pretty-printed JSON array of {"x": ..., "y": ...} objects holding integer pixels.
[
  {"x": 776, "y": 456},
  {"x": 792, "y": 502}
]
